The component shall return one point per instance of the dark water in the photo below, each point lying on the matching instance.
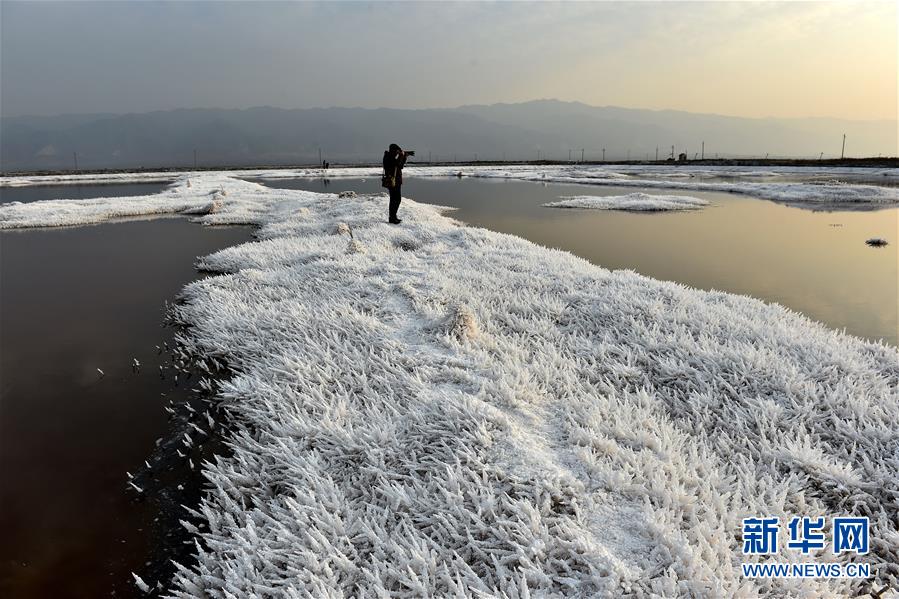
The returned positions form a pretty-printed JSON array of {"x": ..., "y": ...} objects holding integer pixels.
[
  {"x": 77, "y": 192},
  {"x": 73, "y": 300},
  {"x": 814, "y": 262}
]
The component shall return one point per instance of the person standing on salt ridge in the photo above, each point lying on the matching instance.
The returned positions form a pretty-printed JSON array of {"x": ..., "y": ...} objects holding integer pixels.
[{"x": 394, "y": 160}]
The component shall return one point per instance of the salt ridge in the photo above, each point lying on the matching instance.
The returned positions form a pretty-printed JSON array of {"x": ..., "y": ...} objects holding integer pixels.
[
  {"x": 432, "y": 409},
  {"x": 633, "y": 202}
]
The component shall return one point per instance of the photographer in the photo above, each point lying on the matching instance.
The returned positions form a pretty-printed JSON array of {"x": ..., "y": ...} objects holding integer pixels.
[{"x": 394, "y": 160}]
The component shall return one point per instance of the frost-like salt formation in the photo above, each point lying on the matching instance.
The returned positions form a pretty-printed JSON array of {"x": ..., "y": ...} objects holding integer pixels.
[
  {"x": 184, "y": 198},
  {"x": 457, "y": 412},
  {"x": 633, "y": 202}
]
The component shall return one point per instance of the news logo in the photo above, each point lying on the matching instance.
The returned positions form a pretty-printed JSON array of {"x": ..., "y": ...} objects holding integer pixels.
[{"x": 762, "y": 535}]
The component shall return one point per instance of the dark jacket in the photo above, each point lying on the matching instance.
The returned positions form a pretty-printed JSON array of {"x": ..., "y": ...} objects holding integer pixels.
[{"x": 393, "y": 165}]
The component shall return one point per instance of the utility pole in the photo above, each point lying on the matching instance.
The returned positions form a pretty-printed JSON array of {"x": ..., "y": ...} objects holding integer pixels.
[
  {"x": 603, "y": 154},
  {"x": 75, "y": 156},
  {"x": 821, "y": 156},
  {"x": 843, "y": 151},
  {"x": 703, "y": 150},
  {"x": 672, "y": 152},
  {"x": 582, "y": 155}
]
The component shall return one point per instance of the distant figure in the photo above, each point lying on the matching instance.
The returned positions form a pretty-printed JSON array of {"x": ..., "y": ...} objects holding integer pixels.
[{"x": 394, "y": 160}]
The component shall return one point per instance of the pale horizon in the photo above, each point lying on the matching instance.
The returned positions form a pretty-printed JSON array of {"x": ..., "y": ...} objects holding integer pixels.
[{"x": 741, "y": 59}]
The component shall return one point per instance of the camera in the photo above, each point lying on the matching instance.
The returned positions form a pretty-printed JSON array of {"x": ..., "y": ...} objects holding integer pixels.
[{"x": 410, "y": 152}]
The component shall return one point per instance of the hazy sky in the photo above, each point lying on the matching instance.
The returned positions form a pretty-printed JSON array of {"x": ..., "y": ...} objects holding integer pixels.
[{"x": 738, "y": 58}]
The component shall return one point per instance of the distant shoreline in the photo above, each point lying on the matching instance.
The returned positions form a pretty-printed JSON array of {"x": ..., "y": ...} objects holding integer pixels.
[{"x": 799, "y": 162}]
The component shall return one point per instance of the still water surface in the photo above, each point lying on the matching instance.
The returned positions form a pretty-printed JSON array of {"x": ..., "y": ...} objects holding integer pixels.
[
  {"x": 77, "y": 192},
  {"x": 73, "y": 300},
  {"x": 814, "y": 262}
]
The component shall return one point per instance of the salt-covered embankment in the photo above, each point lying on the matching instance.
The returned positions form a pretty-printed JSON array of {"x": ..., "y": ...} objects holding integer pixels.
[
  {"x": 180, "y": 199},
  {"x": 431, "y": 409},
  {"x": 632, "y": 202}
]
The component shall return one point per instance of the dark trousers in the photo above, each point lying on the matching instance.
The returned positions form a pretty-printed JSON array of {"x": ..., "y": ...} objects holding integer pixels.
[{"x": 394, "y": 201}]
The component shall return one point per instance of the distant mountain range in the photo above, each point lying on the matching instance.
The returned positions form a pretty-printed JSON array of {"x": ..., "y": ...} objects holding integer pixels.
[{"x": 547, "y": 129}]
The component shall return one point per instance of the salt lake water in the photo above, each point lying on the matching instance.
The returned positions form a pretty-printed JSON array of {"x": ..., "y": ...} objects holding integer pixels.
[
  {"x": 73, "y": 300},
  {"x": 37, "y": 193}
]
